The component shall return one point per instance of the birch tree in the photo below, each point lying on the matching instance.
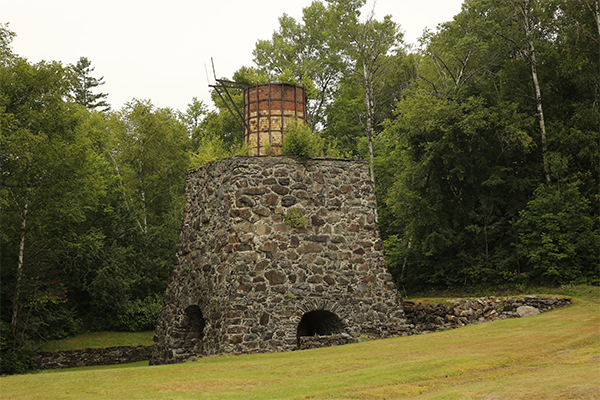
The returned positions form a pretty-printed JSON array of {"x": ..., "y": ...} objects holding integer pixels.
[
  {"x": 148, "y": 151},
  {"x": 371, "y": 45}
]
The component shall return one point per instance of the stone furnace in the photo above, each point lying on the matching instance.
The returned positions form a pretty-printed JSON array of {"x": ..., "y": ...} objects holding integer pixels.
[{"x": 274, "y": 250}]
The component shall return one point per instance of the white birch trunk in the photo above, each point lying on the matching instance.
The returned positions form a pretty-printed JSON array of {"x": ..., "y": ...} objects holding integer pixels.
[
  {"x": 20, "y": 264},
  {"x": 369, "y": 128},
  {"x": 536, "y": 84}
]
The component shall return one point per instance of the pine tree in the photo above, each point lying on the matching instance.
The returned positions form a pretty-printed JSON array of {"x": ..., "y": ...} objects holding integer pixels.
[{"x": 82, "y": 86}]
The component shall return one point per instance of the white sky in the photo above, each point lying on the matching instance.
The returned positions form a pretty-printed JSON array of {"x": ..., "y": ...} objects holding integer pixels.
[{"x": 158, "y": 50}]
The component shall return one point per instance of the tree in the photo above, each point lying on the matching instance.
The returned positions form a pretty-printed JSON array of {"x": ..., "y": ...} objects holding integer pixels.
[
  {"x": 192, "y": 118},
  {"x": 91, "y": 208},
  {"x": 459, "y": 164},
  {"x": 149, "y": 155},
  {"x": 524, "y": 12},
  {"x": 452, "y": 164},
  {"x": 6, "y": 38},
  {"x": 371, "y": 44},
  {"x": 558, "y": 237},
  {"x": 50, "y": 177},
  {"x": 330, "y": 45},
  {"x": 303, "y": 53},
  {"x": 82, "y": 85}
]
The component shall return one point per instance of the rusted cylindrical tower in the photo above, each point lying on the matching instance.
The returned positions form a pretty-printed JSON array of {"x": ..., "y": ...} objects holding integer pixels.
[{"x": 268, "y": 109}]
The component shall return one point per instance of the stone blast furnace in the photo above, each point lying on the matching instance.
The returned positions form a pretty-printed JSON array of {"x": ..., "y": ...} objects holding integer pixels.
[
  {"x": 274, "y": 254},
  {"x": 268, "y": 110}
]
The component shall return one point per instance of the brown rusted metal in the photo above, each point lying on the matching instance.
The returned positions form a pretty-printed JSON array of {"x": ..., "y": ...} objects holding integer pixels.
[
  {"x": 268, "y": 109},
  {"x": 225, "y": 85}
]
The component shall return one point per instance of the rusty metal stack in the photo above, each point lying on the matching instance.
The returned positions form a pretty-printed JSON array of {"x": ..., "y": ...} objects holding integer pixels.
[{"x": 268, "y": 109}]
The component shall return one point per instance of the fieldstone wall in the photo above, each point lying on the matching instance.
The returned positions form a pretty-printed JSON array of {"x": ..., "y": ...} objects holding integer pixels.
[
  {"x": 92, "y": 356},
  {"x": 314, "y": 342},
  {"x": 424, "y": 318},
  {"x": 274, "y": 249}
]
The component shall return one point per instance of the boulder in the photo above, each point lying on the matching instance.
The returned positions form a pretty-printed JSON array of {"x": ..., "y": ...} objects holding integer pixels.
[{"x": 527, "y": 311}]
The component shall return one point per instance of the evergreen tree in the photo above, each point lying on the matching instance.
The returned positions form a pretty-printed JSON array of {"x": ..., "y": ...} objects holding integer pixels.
[
  {"x": 82, "y": 85},
  {"x": 6, "y": 37}
]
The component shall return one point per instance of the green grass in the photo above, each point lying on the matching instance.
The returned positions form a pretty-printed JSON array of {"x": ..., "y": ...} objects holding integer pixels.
[
  {"x": 100, "y": 339},
  {"x": 555, "y": 355}
]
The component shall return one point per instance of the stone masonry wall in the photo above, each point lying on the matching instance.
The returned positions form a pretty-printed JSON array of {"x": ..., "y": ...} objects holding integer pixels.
[
  {"x": 92, "y": 356},
  {"x": 273, "y": 249},
  {"x": 424, "y": 318}
]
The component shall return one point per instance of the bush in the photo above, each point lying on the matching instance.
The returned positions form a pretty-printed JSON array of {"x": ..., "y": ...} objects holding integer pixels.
[
  {"x": 301, "y": 141},
  {"x": 141, "y": 315},
  {"x": 14, "y": 360},
  {"x": 213, "y": 149},
  {"x": 295, "y": 218},
  {"x": 558, "y": 237}
]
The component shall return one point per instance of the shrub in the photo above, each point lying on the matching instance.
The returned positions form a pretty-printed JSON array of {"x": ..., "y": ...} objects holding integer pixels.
[
  {"x": 301, "y": 141},
  {"x": 213, "y": 149},
  {"x": 295, "y": 218},
  {"x": 141, "y": 315},
  {"x": 558, "y": 237},
  {"x": 14, "y": 360}
]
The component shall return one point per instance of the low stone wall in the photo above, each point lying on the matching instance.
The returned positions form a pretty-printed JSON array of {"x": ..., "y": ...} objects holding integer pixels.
[
  {"x": 425, "y": 318},
  {"x": 93, "y": 356},
  {"x": 315, "y": 342}
]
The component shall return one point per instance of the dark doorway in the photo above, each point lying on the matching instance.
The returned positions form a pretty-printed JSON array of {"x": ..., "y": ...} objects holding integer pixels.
[
  {"x": 319, "y": 322},
  {"x": 194, "y": 323}
]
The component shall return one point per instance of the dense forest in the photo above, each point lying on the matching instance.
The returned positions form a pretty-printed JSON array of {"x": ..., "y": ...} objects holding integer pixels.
[{"x": 482, "y": 142}]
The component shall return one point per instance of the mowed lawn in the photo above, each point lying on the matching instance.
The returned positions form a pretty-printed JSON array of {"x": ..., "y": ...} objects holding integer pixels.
[{"x": 555, "y": 355}]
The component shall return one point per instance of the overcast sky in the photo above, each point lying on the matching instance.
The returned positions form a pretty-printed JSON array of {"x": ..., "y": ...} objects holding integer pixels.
[{"x": 160, "y": 50}]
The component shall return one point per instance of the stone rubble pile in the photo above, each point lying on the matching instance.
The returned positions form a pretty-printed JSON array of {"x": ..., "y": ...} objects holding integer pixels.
[
  {"x": 315, "y": 342},
  {"x": 425, "y": 318}
]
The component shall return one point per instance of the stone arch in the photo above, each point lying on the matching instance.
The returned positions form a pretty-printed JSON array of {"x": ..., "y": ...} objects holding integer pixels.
[
  {"x": 319, "y": 322},
  {"x": 194, "y": 320},
  {"x": 192, "y": 328}
]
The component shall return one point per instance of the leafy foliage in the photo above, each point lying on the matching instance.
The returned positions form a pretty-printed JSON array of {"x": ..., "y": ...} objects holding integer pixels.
[
  {"x": 212, "y": 149},
  {"x": 557, "y": 236},
  {"x": 91, "y": 209},
  {"x": 299, "y": 140},
  {"x": 474, "y": 193}
]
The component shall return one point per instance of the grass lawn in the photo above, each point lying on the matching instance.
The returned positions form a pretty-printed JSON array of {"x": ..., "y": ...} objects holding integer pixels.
[
  {"x": 555, "y": 355},
  {"x": 100, "y": 339}
]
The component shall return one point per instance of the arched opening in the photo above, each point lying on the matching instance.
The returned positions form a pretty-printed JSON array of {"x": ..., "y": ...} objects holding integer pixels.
[
  {"x": 194, "y": 323},
  {"x": 319, "y": 322}
]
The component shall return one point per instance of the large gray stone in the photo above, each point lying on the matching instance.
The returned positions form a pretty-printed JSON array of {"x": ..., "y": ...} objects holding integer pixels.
[{"x": 527, "y": 311}]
